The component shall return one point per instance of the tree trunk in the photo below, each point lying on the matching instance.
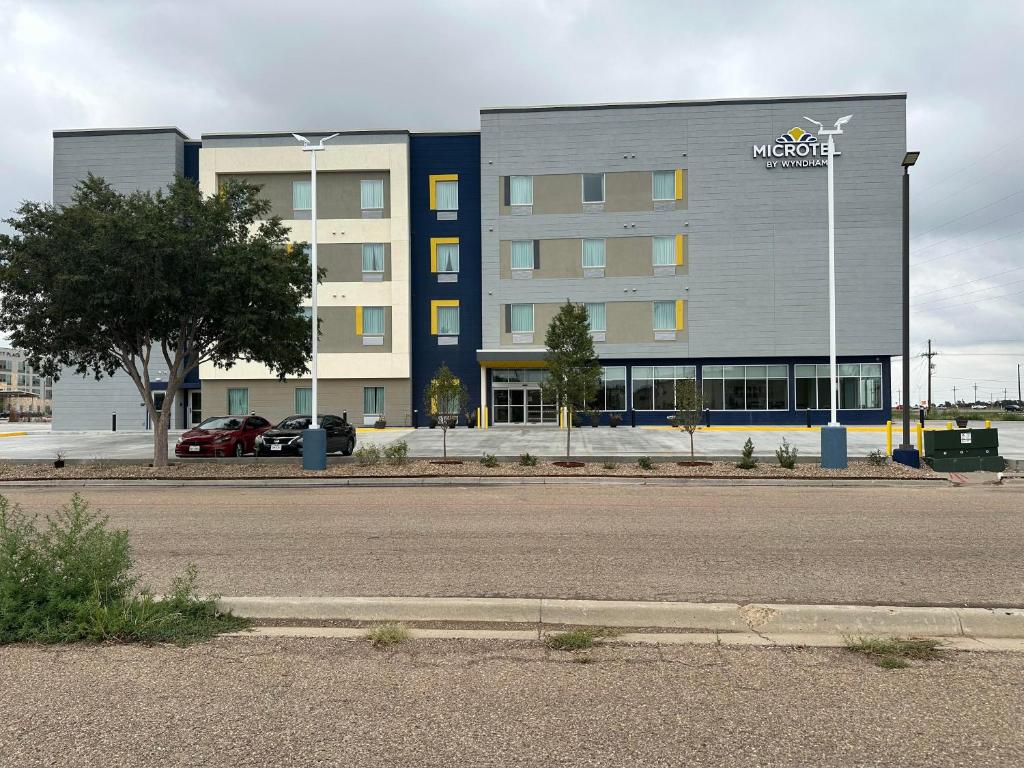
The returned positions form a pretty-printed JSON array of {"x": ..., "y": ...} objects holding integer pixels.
[
  {"x": 444, "y": 442},
  {"x": 691, "y": 445},
  {"x": 160, "y": 427}
]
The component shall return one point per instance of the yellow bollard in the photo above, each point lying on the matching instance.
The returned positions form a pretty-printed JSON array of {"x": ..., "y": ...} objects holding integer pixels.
[
  {"x": 949, "y": 425},
  {"x": 920, "y": 440},
  {"x": 486, "y": 422},
  {"x": 478, "y": 425},
  {"x": 988, "y": 424},
  {"x": 888, "y": 438}
]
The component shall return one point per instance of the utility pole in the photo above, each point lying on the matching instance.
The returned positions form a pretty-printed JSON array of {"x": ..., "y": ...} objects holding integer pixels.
[
  {"x": 931, "y": 367},
  {"x": 1019, "y": 398},
  {"x": 975, "y": 392},
  {"x": 954, "y": 395}
]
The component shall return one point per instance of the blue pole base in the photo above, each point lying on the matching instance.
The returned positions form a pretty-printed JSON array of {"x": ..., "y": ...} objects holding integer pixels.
[
  {"x": 314, "y": 449},
  {"x": 908, "y": 456},
  {"x": 833, "y": 447}
]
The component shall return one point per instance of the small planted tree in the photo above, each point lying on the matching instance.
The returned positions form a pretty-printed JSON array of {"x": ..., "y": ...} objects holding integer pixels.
[
  {"x": 689, "y": 407},
  {"x": 444, "y": 399},
  {"x": 574, "y": 372},
  {"x": 747, "y": 460},
  {"x": 154, "y": 285}
]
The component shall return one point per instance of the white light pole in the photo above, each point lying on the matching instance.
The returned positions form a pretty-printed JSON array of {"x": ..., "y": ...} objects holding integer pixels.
[
  {"x": 314, "y": 449},
  {"x": 833, "y": 368}
]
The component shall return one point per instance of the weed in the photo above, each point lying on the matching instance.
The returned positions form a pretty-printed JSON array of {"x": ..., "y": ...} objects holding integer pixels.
[
  {"x": 582, "y": 658},
  {"x": 397, "y": 452},
  {"x": 387, "y": 635},
  {"x": 367, "y": 455},
  {"x": 609, "y": 465},
  {"x": 877, "y": 458},
  {"x": 526, "y": 460},
  {"x": 489, "y": 460},
  {"x": 893, "y": 652},
  {"x": 786, "y": 454},
  {"x": 645, "y": 463},
  {"x": 892, "y": 662},
  {"x": 578, "y": 639},
  {"x": 747, "y": 460}
]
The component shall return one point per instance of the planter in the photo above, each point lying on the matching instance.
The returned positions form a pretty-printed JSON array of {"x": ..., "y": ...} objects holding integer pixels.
[
  {"x": 446, "y": 461},
  {"x": 673, "y": 421},
  {"x": 58, "y": 464},
  {"x": 569, "y": 464},
  {"x": 693, "y": 463},
  {"x": 614, "y": 420},
  {"x": 961, "y": 422},
  {"x": 380, "y": 424}
]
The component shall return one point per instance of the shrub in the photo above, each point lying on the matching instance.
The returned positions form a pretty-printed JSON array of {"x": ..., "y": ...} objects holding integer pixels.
[
  {"x": 747, "y": 460},
  {"x": 70, "y": 580},
  {"x": 609, "y": 465},
  {"x": 526, "y": 460},
  {"x": 489, "y": 460},
  {"x": 644, "y": 462},
  {"x": 877, "y": 458},
  {"x": 387, "y": 635},
  {"x": 367, "y": 455},
  {"x": 786, "y": 454},
  {"x": 397, "y": 452}
]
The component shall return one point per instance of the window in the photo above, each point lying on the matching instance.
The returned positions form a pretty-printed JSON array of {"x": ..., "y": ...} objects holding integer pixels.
[
  {"x": 664, "y": 315},
  {"x": 596, "y": 316},
  {"x": 522, "y": 254},
  {"x": 238, "y": 401},
  {"x": 860, "y": 386},
  {"x": 373, "y": 257},
  {"x": 447, "y": 257},
  {"x": 447, "y": 321},
  {"x": 593, "y": 187},
  {"x": 593, "y": 254},
  {"x": 373, "y": 321},
  {"x": 302, "y": 195},
  {"x": 663, "y": 251},
  {"x": 373, "y": 401},
  {"x": 521, "y": 318},
  {"x": 371, "y": 194},
  {"x": 447, "y": 195},
  {"x": 746, "y": 387},
  {"x": 654, "y": 386},
  {"x": 663, "y": 185},
  {"x": 520, "y": 190},
  {"x": 304, "y": 400},
  {"x": 612, "y": 394}
]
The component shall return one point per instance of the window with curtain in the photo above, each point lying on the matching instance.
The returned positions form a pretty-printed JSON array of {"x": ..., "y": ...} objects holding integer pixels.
[
  {"x": 654, "y": 386},
  {"x": 593, "y": 187},
  {"x": 447, "y": 321},
  {"x": 448, "y": 257},
  {"x": 238, "y": 401},
  {"x": 522, "y": 254},
  {"x": 663, "y": 251},
  {"x": 373, "y": 321},
  {"x": 593, "y": 253},
  {"x": 860, "y": 386},
  {"x": 302, "y": 195},
  {"x": 373, "y": 401},
  {"x": 663, "y": 185},
  {"x": 520, "y": 190},
  {"x": 373, "y": 257},
  {"x": 664, "y": 315},
  {"x": 371, "y": 194},
  {"x": 522, "y": 318},
  {"x": 304, "y": 400},
  {"x": 447, "y": 195},
  {"x": 596, "y": 316}
]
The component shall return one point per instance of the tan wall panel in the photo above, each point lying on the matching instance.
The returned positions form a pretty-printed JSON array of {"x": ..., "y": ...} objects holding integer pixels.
[
  {"x": 628, "y": 257},
  {"x": 628, "y": 191},
  {"x": 344, "y": 262},
  {"x": 543, "y": 314},
  {"x": 274, "y": 400},
  {"x": 338, "y": 331},
  {"x": 557, "y": 193},
  {"x": 337, "y": 192}
]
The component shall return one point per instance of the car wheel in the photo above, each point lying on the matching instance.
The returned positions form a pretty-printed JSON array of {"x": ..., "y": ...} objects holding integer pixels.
[
  {"x": 349, "y": 447},
  {"x": 239, "y": 450}
]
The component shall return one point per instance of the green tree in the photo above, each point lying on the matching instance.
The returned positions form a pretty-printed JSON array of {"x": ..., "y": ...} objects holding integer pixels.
[
  {"x": 574, "y": 372},
  {"x": 167, "y": 280},
  {"x": 689, "y": 407},
  {"x": 445, "y": 398}
]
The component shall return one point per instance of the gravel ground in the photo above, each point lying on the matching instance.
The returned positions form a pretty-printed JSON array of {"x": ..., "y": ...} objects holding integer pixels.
[
  {"x": 301, "y": 703},
  {"x": 423, "y": 467}
]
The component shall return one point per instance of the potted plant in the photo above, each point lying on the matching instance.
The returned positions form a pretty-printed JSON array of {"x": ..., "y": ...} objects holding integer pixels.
[
  {"x": 58, "y": 461},
  {"x": 595, "y": 418},
  {"x": 433, "y": 421},
  {"x": 577, "y": 419},
  {"x": 615, "y": 419},
  {"x": 381, "y": 423},
  {"x": 470, "y": 419}
]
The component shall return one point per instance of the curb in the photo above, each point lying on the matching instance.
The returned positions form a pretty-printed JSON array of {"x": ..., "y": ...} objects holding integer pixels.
[
  {"x": 761, "y": 619},
  {"x": 13, "y": 434}
]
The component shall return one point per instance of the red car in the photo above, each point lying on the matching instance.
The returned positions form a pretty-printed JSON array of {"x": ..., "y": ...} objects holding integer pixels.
[{"x": 222, "y": 436}]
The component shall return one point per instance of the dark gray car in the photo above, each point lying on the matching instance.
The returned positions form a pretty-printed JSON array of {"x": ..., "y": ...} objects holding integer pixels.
[{"x": 285, "y": 439}]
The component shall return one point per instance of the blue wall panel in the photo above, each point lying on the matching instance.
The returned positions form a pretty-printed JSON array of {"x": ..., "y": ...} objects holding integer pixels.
[{"x": 432, "y": 154}]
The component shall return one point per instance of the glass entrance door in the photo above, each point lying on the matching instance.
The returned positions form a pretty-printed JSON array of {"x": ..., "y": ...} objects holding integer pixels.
[{"x": 522, "y": 405}]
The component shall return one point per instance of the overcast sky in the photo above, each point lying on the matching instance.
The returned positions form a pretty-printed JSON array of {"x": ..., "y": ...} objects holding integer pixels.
[{"x": 253, "y": 65}]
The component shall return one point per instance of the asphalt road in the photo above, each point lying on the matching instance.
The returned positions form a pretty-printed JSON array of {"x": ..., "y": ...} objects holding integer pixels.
[
  {"x": 284, "y": 704},
  {"x": 941, "y": 546}
]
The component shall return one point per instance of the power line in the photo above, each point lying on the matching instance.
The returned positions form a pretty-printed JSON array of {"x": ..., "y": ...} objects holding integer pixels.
[
  {"x": 978, "y": 301},
  {"x": 963, "y": 168},
  {"x": 950, "y": 288},
  {"x": 969, "y": 248},
  {"x": 964, "y": 216},
  {"x": 968, "y": 293},
  {"x": 967, "y": 232}
]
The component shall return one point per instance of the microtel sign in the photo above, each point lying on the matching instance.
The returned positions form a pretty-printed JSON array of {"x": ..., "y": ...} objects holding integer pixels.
[{"x": 797, "y": 147}]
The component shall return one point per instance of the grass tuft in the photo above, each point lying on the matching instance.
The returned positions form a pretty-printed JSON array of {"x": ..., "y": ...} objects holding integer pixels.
[
  {"x": 578, "y": 639},
  {"x": 894, "y": 652},
  {"x": 387, "y": 635}
]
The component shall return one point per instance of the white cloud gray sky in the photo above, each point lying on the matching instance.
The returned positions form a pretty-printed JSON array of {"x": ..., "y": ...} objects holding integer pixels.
[{"x": 258, "y": 65}]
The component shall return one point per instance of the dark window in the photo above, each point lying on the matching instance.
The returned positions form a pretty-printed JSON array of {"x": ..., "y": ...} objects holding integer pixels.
[
  {"x": 734, "y": 394},
  {"x": 757, "y": 395},
  {"x": 713, "y": 394},
  {"x": 593, "y": 187},
  {"x": 778, "y": 394},
  {"x": 806, "y": 390}
]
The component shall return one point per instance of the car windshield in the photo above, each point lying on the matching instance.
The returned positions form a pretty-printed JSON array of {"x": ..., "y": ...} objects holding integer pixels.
[
  {"x": 295, "y": 422},
  {"x": 221, "y": 422}
]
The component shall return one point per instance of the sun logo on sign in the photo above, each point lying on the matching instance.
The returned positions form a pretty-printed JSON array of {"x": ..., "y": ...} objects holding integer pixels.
[{"x": 797, "y": 135}]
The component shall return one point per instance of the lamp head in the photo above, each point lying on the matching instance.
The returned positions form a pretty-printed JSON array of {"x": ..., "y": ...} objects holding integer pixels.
[
  {"x": 910, "y": 158},
  {"x": 301, "y": 138}
]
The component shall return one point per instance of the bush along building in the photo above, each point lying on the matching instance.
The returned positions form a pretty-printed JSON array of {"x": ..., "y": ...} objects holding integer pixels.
[{"x": 694, "y": 232}]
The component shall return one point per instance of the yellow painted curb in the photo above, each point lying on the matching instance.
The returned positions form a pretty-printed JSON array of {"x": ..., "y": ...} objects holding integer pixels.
[
  {"x": 13, "y": 434},
  {"x": 386, "y": 429}
]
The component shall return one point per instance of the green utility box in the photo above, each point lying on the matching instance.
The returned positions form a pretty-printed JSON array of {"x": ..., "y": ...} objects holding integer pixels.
[{"x": 963, "y": 450}]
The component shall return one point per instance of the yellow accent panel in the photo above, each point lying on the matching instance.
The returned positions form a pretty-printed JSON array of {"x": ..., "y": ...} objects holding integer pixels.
[
  {"x": 359, "y": 321},
  {"x": 680, "y": 307},
  {"x": 434, "y": 304},
  {"x": 679, "y": 250},
  {"x": 679, "y": 183},
  {"x": 433, "y": 186},
  {"x": 436, "y": 241}
]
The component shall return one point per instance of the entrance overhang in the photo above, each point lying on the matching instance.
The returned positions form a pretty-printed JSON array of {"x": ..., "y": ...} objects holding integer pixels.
[{"x": 512, "y": 358}]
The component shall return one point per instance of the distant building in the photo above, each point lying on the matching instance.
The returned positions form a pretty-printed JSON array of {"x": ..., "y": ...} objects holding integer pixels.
[{"x": 22, "y": 390}]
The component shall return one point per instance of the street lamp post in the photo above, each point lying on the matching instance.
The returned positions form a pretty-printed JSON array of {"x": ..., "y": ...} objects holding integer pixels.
[
  {"x": 314, "y": 439},
  {"x": 833, "y": 436},
  {"x": 907, "y": 453}
]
